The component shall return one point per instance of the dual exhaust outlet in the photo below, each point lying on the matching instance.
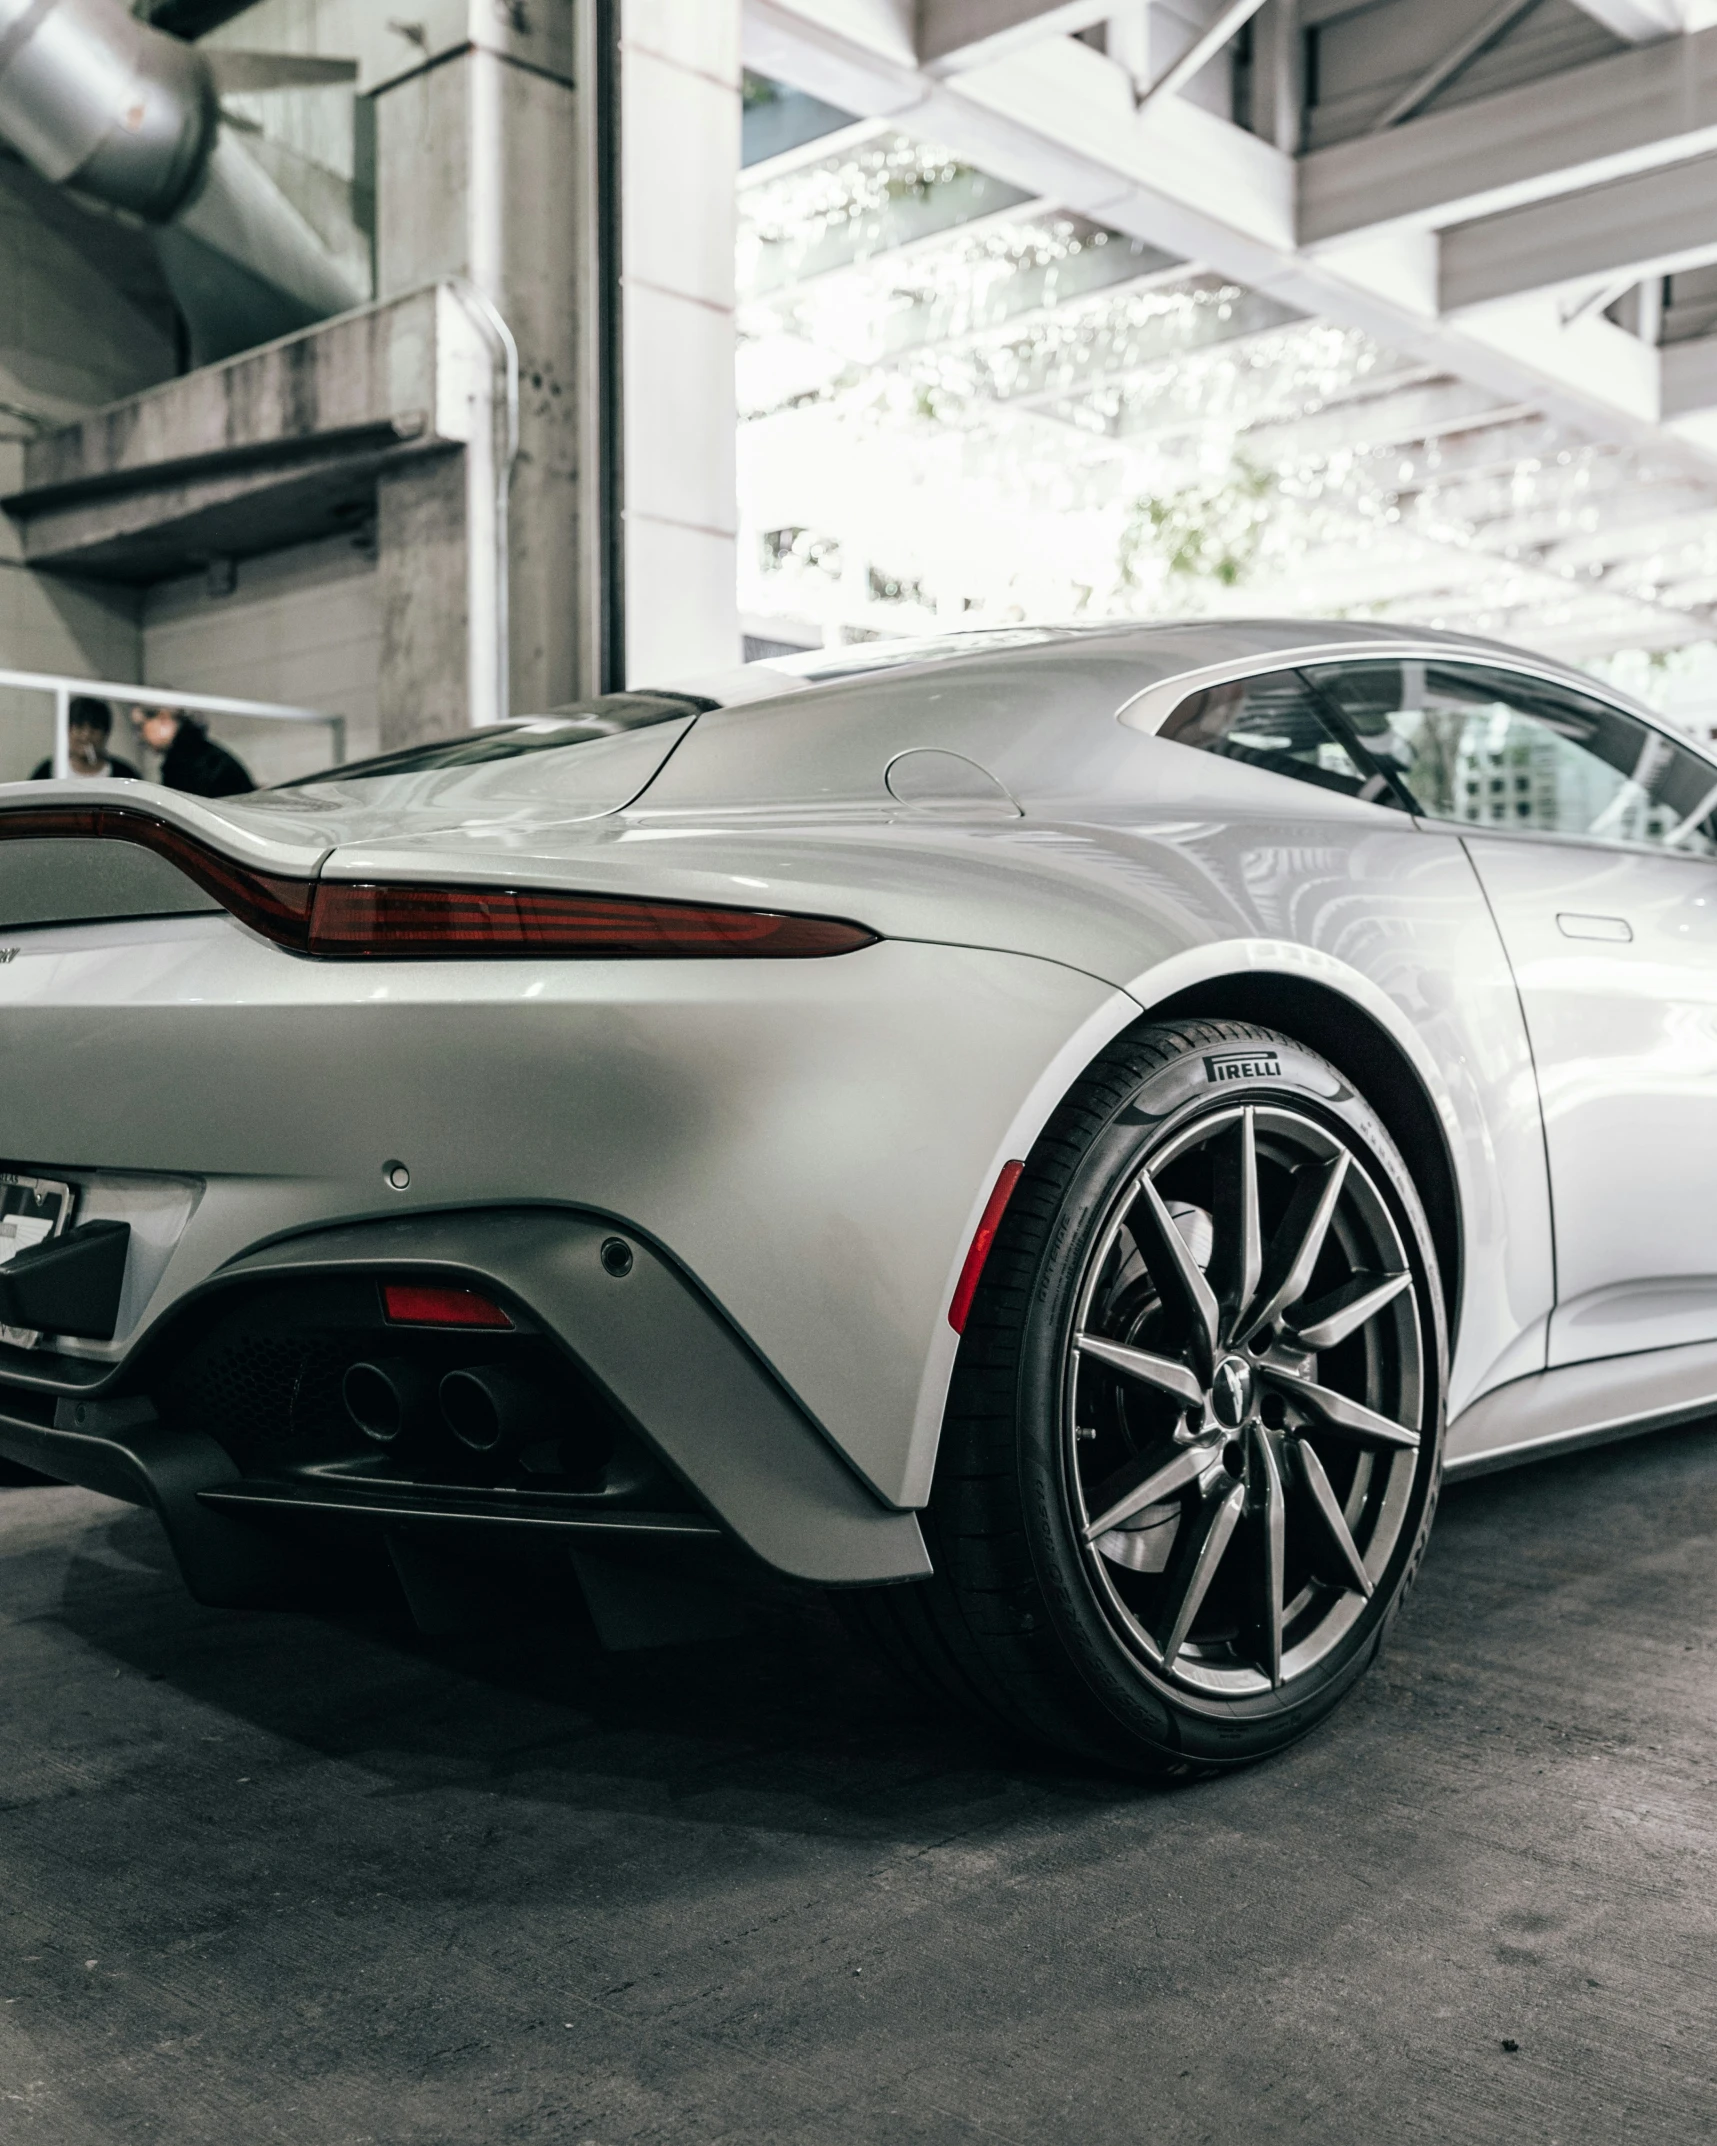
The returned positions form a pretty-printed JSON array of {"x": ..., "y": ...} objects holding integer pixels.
[{"x": 488, "y": 1407}]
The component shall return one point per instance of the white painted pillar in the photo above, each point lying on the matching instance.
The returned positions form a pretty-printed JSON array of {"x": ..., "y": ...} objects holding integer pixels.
[{"x": 679, "y": 152}]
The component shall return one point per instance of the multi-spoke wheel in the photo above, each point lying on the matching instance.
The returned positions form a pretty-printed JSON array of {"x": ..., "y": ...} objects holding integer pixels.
[{"x": 1192, "y": 1451}]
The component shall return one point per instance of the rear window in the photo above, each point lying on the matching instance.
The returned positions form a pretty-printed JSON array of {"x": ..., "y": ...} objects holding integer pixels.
[{"x": 578, "y": 723}]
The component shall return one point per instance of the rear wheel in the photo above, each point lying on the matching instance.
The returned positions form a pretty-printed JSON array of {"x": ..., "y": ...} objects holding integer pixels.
[{"x": 1194, "y": 1435}]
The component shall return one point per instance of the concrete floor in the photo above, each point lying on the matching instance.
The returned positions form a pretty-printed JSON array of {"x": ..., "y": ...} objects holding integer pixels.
[{"x": 265, "y": 1878}]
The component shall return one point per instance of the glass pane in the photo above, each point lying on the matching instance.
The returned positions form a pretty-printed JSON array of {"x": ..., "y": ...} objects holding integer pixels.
[
  {"x": 1496, "y": 750},
  {"x": 1274, "y": 723},
  {"x": 578, "y": 723}
]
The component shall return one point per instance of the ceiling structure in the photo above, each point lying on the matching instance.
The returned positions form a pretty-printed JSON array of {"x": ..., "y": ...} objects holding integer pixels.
[{"x": 1382, "y": 307}]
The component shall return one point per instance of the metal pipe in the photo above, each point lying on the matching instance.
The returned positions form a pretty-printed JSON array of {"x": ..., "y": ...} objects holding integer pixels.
[
  {"x": 93, "y": 98},
  {"x": 63, "y": 687},
  {"x": 479, "y": 291},
  {"x": 488, "y": 500},
  {"x": 162, "y": 696},
  {"x": 601, "y": 538}
]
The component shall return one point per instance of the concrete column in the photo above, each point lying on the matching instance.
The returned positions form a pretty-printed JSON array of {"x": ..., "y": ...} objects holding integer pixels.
[
  {"x": 680, "y": 114},
  {"x": 479, "y": 175}
]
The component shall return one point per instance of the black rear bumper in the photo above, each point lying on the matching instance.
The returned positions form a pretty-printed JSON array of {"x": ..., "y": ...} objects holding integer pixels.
[{"x": 729, "y": 1453}]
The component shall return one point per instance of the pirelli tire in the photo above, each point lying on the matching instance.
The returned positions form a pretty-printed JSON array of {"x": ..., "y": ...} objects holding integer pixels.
[{"x": 1195, "y": 1432}]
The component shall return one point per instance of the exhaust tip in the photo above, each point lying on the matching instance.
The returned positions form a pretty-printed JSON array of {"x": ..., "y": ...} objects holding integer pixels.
[
  {"x": 490, "y": 1405},
  {"x": 474, "y": 1411},
  {"x": 384, "y": 1399}
]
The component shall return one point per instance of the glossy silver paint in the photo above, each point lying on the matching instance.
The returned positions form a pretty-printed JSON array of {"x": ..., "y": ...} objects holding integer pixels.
[
  {"x": 1622, "y": 1012},
  {"x": 814, "y": 1141}
]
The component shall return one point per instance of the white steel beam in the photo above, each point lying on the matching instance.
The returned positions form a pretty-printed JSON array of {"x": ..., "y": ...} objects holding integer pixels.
[
  {"x": 1203, "y": 49},
  {"x": 1399, "y": 417},
  {"x": 923, "y": 214},
  {"x": 1484, "y": 452},
  {"x": 917, "y": 332},
  {"x": 1653, "y": 223},
  {"x": 1636, "y": 112},
  {"x": 956, "y": 34},
  {"x": 1060, "y": 120},
  {"x": 1616, "y": 540},
  {"x": 1486, "y": 31},
  {"x": 1639, "y": 21}
]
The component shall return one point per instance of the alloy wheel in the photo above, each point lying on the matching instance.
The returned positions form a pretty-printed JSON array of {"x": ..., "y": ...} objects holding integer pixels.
[{"x": 1245, "y": 1380}]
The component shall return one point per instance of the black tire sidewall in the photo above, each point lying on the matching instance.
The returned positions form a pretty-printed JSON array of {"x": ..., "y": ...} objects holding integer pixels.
[{"x": 1136, "y": 1699}]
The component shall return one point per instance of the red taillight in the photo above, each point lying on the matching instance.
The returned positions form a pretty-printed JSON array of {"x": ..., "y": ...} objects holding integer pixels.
[
  {"x": 277, "y": 907},
  {"x": 421, "y": 1304},
  {"x": 394, "y": 923},
  {"x": 388, "y": 923},
  {"x": 982, "y": 1238}
]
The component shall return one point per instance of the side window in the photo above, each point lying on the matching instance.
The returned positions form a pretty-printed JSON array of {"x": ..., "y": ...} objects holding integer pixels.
[
  {"x": 1273, "y": 722},
  {"x": 1491, "y": 749}
]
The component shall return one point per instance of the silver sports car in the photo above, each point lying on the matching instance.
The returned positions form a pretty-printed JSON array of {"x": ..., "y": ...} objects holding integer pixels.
[{"x": 1063, "y": 1136}]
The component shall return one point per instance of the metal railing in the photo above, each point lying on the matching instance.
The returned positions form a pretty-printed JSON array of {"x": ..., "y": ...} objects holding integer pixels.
[{"x": 65, "y": 690}]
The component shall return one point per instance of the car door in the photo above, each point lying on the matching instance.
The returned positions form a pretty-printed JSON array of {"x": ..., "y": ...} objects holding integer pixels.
[
  {"x": 1304, "y": 843},
  {"x": 1592, "y": 834}
]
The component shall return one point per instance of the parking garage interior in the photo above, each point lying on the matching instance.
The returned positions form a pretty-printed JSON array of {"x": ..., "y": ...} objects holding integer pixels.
[{"x": 500, "y": 357}]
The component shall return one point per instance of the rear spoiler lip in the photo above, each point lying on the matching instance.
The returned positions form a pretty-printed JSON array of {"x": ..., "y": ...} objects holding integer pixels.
[
  {"x": 202, "y": 821},
  {"x": 275, "y": 903}
]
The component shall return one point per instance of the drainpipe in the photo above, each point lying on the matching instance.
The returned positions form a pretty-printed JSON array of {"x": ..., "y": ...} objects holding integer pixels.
[
  {"x": 488, "y": 468},
  {"x": 489, "y": 464},
  {"x": 62, "y": 730}
]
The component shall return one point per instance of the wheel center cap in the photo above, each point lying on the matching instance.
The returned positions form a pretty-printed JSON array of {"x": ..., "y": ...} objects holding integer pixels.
[{"x": 1231, "y": 1392}]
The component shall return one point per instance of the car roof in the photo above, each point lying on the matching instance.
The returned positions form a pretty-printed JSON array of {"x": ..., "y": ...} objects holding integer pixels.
[{"x": 1166, "y": 646}]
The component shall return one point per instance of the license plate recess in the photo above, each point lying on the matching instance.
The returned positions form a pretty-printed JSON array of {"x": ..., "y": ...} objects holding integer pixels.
[{"x": 32, "y": 1209}]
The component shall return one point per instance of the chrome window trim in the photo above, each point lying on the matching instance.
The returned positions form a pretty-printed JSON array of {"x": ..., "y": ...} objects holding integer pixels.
[{"x": 1151, "y": 707}]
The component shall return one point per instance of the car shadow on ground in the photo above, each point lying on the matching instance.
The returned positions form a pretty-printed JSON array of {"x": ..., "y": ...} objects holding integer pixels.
[
  {"x": 795, "y": 1722},
  {"x": 792, "y": 1721}
]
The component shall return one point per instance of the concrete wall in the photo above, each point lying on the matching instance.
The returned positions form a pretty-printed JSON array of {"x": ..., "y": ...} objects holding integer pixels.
[
  {"x": 83, "y": 320},
  {"x": 84, "y": 314},
  {"x": 518, "y": 243},
  {"x": 46, "y": 624},
  {"x": 680, "y": 150},
  {"x": 301, "y": 626}
]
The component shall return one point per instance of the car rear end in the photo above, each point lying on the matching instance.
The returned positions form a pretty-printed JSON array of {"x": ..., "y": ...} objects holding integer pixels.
[{"x": 486, "y": 1210}]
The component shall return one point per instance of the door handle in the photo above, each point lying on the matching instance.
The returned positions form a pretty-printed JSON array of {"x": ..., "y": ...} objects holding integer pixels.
[{"x": 1574, "y": 926}]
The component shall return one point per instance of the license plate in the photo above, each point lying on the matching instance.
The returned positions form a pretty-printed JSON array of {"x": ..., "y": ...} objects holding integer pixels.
[{"x": 32, "y": 1209}]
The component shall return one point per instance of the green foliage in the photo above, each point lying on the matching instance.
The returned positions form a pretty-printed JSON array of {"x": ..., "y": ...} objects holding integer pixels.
[{"x": 1205, "y": 532}]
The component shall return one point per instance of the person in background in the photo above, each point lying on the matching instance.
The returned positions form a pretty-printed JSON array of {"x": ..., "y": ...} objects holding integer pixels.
[
  {"x": 190, "y": 758},
  {"x": 89, "y": 724}
]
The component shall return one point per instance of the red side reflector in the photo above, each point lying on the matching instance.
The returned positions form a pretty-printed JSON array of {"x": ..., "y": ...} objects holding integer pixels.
[
  {"x": 418, "y": 1304},
  {"x": 983, "y": 1237},
  {"x": 387, "y": 923}
]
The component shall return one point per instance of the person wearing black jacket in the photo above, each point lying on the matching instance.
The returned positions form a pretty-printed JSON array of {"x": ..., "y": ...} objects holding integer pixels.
[
  {"x": 190, "y": 758},
  {"x": 88, "y": 724}
]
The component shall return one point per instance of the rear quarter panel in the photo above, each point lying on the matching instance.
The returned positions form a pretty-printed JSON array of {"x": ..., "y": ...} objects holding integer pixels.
[{"x": 813, "y": 1140}]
